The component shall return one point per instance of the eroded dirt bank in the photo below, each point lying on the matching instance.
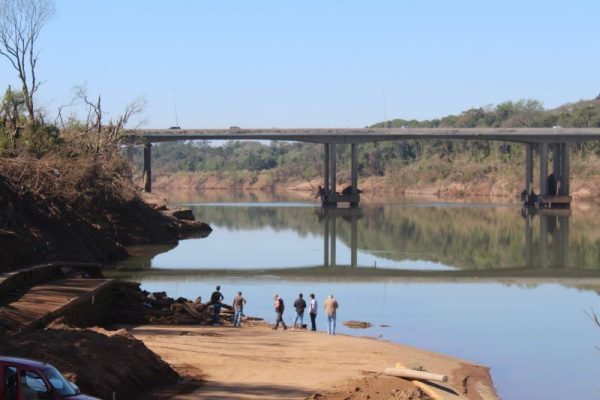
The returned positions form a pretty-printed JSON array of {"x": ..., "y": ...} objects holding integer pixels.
[
  {"x": 39, "y": 227},
  {"x": 584, "y": 188}
]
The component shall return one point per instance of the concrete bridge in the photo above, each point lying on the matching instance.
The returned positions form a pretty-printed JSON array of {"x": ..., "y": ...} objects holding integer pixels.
[{"x": 553, "y": 188}]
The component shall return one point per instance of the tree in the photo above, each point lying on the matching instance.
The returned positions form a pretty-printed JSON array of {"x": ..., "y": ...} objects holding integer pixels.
[{"x": 21, "y": 22}]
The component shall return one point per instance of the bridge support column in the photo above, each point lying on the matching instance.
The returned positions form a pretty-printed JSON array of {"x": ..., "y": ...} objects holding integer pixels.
[
  {"x": 332, "y": 195},
  {"x": 556, "y": 161},
  {"x": 528, "y": 168},
  {"x": 326, "y": 187},
  {"x": 148, "y": 167},
  {"x": 564, "y": 173},
  {"x": 354, "y": 172},
  {"x": 544, "y": 170}
]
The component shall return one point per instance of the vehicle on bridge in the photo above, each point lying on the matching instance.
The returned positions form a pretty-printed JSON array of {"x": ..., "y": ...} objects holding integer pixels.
[{"x": 24, "y": 379}]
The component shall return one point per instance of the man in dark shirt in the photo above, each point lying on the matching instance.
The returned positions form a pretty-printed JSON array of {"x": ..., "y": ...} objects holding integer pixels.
[
  {"x": 300, "y": 306},
  {"x": 215, "y": 300}
]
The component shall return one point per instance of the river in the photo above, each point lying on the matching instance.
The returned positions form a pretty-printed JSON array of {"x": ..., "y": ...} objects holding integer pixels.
[{"x": 483, "y": 282}]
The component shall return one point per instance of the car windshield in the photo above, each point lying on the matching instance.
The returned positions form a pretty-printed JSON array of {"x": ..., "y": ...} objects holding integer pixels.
[{"x": 59, "y": 383}]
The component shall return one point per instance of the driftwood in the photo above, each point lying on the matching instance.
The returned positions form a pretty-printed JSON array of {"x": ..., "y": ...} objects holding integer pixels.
[
  {"x": 421, "y": 385},
  {"x": 190, "y": 310},
  {"x": 357, "y": 324},
  {"x": 414, "y": 374}
]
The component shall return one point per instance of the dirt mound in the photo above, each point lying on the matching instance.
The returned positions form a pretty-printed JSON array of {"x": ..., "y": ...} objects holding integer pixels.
[
  {"x": 100, "y": 363},
  {"x": 375, "y": 387}
]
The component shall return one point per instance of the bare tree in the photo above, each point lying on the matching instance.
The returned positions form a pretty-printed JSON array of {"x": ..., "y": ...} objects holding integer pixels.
[
  {"x": 105, "y": 135},
  {"x": 94, "y": 116},
  {"x": 21, "y": 22},
  {"x": 135, "y": 107}
]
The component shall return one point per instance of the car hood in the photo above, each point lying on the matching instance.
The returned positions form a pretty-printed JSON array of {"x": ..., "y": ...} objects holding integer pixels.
[{"x": 82, "y": 397}]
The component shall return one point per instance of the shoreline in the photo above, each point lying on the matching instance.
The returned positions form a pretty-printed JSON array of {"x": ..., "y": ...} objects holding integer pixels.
[
  {"x": 583, "y": 190},
  {"x": 211, "y": 362}
]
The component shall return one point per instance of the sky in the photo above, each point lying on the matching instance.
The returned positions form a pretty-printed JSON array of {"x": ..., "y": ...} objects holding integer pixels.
[{"x": 292, "y": 64}]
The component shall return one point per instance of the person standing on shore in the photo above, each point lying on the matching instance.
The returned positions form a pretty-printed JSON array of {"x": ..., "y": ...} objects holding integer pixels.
[
  {"x": 279, "y": 308},
  {"x": 238, "y": 309},
  {"x": 312, "y": 311},
  {"x": 215, "y": 299},
  {"x": 300, "y": 306},
  {"x": 331, "y": 306}
]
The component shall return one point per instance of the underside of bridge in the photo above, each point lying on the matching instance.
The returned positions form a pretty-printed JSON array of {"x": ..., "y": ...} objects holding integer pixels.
[
  {"x": 554, "y": 189},
  {"x": 330, "y": 196}
]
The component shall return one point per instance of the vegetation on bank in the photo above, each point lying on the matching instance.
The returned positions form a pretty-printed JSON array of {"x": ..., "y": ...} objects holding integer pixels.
[
  {"x": 409, "y": 164},
  {"x": 66, "y": 191}
]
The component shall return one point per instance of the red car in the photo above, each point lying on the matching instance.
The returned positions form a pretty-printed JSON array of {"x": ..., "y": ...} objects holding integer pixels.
[{"x": 23, "y": 379}]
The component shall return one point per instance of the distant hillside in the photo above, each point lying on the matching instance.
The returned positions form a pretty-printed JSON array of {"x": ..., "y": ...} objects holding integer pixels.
[
  {"x": 443, "y": 167},
  {"x": 520, "y": 114}
]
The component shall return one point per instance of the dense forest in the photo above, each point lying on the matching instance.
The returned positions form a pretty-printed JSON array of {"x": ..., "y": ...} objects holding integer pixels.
[{"x": 408, "y": 163}]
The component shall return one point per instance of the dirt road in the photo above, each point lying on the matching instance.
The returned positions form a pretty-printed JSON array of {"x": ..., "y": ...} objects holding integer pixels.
[{"x": 257, "y": 362}]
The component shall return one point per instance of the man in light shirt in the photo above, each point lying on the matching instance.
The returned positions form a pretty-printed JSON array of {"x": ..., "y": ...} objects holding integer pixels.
[
  {"x": 312, "y": 311},
  {"x": 238, "y": 309},
  {"x": 331, "y": 306}
]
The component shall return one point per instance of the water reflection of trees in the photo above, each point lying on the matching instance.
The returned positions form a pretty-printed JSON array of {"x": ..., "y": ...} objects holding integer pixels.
[{"x": 463, "y": 237}]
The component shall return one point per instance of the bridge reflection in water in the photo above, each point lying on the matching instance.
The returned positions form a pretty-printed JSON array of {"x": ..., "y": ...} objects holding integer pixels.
[
  {"x": 545, "y": 247},
  {"x": 553, "y": 238},
  {"x": 459, "y": 241},
  {"x": 328, "y": 217}
]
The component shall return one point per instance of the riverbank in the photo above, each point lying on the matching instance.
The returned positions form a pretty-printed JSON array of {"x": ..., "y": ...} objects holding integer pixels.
[
  {"x": 256, "y": 362},
  {"x": 487, "y": 186},
  {"x": 48, "y": 213}
]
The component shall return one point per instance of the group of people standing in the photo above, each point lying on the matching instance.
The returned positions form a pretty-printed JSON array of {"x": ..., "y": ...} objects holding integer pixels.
[{"x": 330, "y": 305}]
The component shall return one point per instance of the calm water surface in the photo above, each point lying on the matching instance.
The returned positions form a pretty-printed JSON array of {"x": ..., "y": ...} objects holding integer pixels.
[{"x": 481, "y": 282}]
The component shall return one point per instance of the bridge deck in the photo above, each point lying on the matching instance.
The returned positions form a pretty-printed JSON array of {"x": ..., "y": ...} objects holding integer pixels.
[{"x": 361, "y": 135}]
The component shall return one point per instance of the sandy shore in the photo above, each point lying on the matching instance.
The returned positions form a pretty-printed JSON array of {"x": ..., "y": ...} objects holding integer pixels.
[{"x": 255, "y": 362}]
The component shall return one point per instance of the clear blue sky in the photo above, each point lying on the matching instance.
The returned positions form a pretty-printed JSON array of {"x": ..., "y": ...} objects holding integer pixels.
[{"x": 317, "y": 63}]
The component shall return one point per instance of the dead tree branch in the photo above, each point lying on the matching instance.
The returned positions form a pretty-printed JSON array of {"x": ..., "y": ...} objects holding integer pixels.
[{"x": 21, "y": 22}]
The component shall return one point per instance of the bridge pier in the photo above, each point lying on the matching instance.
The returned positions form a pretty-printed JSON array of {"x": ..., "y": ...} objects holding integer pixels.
[
  {"x": 326, "y": 166},
  {"x": 354, "y": 199},
  {"x": 564, "y": 173},
  {"x": 148, "y": 167},
  {"x": 553, "y": 188},
  {"x": 528, "y": 168},
  {"x": 330, "y": 197},
  {"x": 333, "y": 188}
]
